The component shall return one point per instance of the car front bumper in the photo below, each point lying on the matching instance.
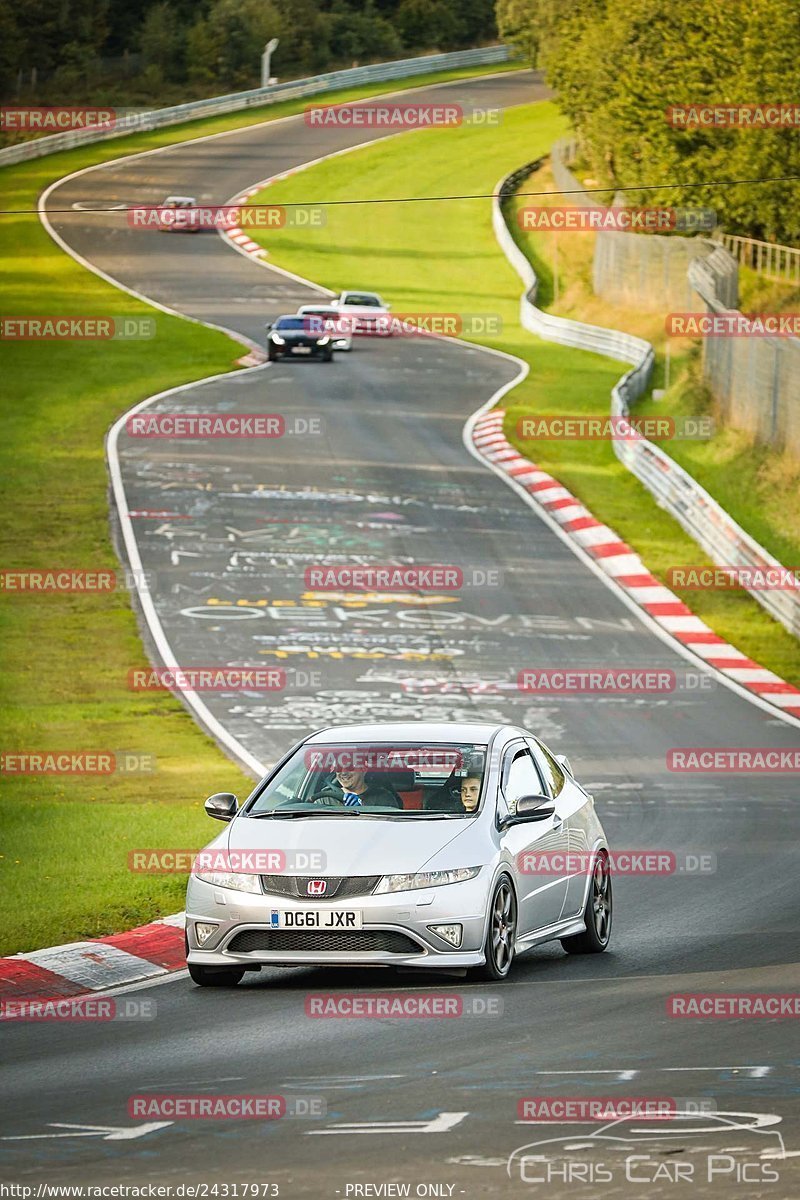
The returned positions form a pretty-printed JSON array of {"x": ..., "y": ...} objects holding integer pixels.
[{"x": 402, "y": 919}]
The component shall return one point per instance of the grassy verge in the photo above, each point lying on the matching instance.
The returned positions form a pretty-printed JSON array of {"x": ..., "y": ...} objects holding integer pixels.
[
  {"x": 65, "y": 658},
  {"x": 431, "y": 256}
]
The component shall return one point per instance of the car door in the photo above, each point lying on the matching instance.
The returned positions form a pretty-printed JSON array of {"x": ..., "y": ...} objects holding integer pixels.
[
  {"x": 575, "y": 806},
  {"x": 541, "y": 885}
]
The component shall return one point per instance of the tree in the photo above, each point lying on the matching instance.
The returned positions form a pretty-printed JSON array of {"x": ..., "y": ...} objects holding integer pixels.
[
  {"x": 162, "y": 42},
  {"x": 430, "y": 24}
]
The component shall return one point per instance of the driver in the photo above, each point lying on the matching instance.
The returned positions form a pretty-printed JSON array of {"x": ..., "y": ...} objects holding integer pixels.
[
  {"x": 355, "y": 792},
  {"x": 470, "y": 792}
]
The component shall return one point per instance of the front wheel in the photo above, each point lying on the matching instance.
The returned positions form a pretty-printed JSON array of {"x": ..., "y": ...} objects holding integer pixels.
[
  {"x": 501, "y": 932},
  {"x": 597, "y": 912},
  {"x": 215, "y": 977}
]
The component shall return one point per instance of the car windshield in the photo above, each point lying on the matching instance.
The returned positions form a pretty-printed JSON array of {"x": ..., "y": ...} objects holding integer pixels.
[
  {"x": 364, "y": 299},
  {"x": 290, "y": 323},
  {"x": 411, "y": 782}
]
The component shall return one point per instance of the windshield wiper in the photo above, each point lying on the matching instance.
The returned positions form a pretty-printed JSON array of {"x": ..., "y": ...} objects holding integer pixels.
[{"x": 314, "y": 811}]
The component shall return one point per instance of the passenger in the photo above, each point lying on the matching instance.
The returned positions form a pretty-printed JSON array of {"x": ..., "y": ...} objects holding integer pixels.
[{"x": 470, "y": 792}]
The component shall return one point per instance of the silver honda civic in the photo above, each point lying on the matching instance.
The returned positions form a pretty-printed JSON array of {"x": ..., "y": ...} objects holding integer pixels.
[{"x": 432, "y": 846}]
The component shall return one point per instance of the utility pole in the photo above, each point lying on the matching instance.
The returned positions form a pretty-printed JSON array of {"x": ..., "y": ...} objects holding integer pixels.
[{"x": 265, "y": 61}]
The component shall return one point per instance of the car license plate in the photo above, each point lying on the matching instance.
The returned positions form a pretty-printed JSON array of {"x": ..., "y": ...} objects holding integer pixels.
[
  {"x": 302, "y": 349},
  {"x": 316, "y": 918}
]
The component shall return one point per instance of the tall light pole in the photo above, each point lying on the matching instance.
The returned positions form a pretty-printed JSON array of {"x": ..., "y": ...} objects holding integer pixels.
[{"x": 265, "y": 61}]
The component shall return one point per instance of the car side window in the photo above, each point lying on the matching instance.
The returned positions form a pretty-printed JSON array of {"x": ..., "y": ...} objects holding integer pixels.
[
  {"x": 550, "y": 769},
  {"x": 520, "y": 778}
]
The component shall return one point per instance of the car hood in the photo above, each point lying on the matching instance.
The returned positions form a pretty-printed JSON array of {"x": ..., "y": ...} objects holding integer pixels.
[{"x": 357, "y": 845}]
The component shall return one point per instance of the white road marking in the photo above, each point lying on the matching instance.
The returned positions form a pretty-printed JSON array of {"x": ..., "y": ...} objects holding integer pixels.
[
  {"x": 109, "y": 1133},
  {"x": 440, "y": 1124}
]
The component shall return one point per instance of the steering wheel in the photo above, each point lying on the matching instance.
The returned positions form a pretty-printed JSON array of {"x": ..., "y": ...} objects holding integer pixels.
[{"x": 327, "y": 799}]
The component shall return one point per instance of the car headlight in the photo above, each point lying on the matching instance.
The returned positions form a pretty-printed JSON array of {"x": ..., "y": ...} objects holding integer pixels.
[
  {"x": 323, "y": 341},
  {"x": 424, "y": 879},
  {"x": 279, "y": 341},
  {"x": 235, "y": 881}
]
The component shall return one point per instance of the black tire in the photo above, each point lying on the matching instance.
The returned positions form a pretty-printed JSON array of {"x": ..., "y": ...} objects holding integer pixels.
[
  {"x": 597, "y": 913},
  {"x": 214, "y": 976},
  {"x": 272, "y": 356},
  {"x": 327, "y": 356},
  {"x": 500, "y": 931}
]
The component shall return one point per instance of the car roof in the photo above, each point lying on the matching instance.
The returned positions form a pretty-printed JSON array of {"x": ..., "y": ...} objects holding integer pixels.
[
  {"x": 411, "y": 731},
  {"x": 359, "y": 292},
  {"x": 188, "y": 199},
  {"x": 316, "y": 308}
]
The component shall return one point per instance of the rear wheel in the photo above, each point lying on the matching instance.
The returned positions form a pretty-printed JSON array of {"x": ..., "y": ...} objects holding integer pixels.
[
  {"x": 597, "y": 913},
  {"x": 501, "y": 932}
]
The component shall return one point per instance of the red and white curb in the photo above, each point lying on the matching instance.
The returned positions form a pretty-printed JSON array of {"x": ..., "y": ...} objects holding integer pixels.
[
  {"x": 80, "y": 968},
  {"x": 241, "y": 240},
  {"x": 625, "y": 567}
]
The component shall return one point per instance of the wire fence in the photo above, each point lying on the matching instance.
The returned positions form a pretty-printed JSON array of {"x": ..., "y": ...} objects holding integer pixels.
[
  {"x": 755, "y": 379},
  {"x": 631, "y": 268}
]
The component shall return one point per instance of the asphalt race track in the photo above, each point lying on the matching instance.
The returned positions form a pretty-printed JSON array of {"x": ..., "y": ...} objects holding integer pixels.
[{"x": 386, "y": 478}]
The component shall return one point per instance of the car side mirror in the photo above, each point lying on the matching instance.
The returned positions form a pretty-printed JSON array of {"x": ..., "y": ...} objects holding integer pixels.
[
  {"x": 535, "y": 808},
  {"x": 564, "y": 762},
  {"x": 222, "y": 806},
  {"x": 269, "y": 326}
]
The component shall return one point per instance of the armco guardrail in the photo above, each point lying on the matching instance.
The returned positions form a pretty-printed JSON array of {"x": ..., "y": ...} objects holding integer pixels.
[
  {"x": 216, "y": 105},
  {"x": 674, "y": 489}
]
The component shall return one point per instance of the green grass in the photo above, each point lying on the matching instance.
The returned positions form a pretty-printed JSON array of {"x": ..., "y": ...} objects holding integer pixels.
[
  {"x": 65, "y": 659},
  {"x": 444, "y": 258}
]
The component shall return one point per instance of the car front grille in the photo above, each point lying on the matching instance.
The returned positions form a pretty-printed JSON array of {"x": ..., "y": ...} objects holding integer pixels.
[
  {"x": 317, "y": 941},
  {"x": 340, "y": 887}
]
